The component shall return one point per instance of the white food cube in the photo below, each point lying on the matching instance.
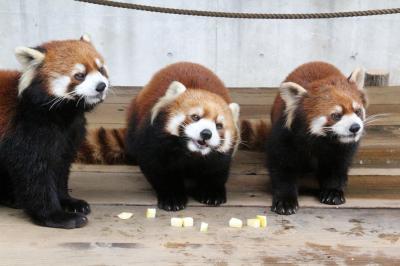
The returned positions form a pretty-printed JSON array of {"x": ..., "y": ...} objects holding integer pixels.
[
  {"x": 234, "y": 222},
  {"x": 263, "y": 220},
  {"x": 151, "y": 213},
  {"x": 176, "y": 222},
  {"x": 125, "y": 215},
  {"x": 203, "y": 227},
  {"x": 187, "y": 222},
  {"x": 253, "y": 223}
]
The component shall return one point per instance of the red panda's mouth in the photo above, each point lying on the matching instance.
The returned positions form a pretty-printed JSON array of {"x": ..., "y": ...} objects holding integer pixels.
[{"x": 200, "y": 143}]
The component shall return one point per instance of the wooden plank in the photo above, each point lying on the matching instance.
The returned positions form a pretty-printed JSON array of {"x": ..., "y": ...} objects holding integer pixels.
[
  {"x": 367, "y": 188},
  {"x": 313, "y": 236}
]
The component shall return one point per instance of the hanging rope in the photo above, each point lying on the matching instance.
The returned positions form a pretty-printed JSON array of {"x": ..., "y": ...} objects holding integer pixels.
[{"x": 216, "y": 14}]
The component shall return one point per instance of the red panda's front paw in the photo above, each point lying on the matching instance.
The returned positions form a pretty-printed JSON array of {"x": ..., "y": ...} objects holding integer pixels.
[
  {"x": 75, "y": 205},
  {"x": 172, "y": 202},
  {"x": 285, "y": 206},
  {"x": 332, "y": 196},
  {"x": 211, "y": 197},
  {"x": 65, "y": 220}
]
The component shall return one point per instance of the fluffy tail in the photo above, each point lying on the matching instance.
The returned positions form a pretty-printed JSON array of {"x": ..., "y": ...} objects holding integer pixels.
[
  {"x": 254, "y": 133},
  {"x": 103, "y": 146}
]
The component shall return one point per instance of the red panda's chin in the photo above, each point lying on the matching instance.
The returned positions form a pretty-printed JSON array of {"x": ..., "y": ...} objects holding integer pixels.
[
  {"x": 349, "y": 138},
  {"x": 198, "y": 147}
]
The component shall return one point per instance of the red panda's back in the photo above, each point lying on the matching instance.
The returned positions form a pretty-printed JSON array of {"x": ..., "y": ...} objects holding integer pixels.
[
  {"x": 8, "y": 98},
  {"x": 304, "y": 75},
  {"x": 193, "y": 76}
]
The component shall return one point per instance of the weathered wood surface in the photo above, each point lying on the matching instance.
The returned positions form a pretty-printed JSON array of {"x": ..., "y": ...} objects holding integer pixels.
[{"x": 312, "y": 237}]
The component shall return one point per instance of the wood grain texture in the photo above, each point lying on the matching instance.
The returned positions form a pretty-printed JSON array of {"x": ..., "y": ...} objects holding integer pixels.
[{"x": 313, "y": 236}]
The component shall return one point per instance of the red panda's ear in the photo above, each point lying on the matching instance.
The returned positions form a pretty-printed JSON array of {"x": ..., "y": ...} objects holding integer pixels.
[
  {"x": 174, "y": 90},
  {"x": 235, "y": 109},
  {"x": 86, "y": 38},
  {"x": 28, "y": 56},
  {"x": 358, "y": 77},
  {"x": 291, "y": 93}
]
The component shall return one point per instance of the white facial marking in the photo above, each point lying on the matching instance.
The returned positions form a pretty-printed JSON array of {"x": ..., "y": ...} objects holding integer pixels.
[
  {"x": 197, "y": 111},
  {"x": 193, "y": 131},
  {"x": 98, "y": 63},
  {"x": 342, "y": 128},
  {"x": 227, "y": 142},
  {"x": 59, "y": 86},
  {"x": 337, "y": 109},
  {"x": 220, "y": 119},
  {"x": 317, "y": 124},
  {"x": 174, "y": 123},
  {"x": 78, "y": 68},
  {"x": 88, "y": 87}
]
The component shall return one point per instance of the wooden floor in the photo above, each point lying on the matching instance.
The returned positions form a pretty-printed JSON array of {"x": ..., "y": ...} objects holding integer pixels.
[{"x": 366, "y": 230}]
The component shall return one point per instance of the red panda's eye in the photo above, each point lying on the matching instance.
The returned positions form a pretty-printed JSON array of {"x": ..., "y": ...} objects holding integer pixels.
[
  {"x": 79, "y": 76},
  {"x": 195, "y": 117},
  {"x": 219, "y": 126},
  {"x": 336, "y": 116},
  {"x": 358, "y": 112}
]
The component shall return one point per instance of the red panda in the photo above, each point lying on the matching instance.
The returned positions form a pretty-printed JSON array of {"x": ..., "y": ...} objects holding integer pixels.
[
  {"x": 182, "y": 127},
  {"x": 42, "y": 124},
  {"x": 317, "y": 122}
]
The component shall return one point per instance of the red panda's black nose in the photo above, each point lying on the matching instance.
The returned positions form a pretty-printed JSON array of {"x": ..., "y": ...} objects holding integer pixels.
[
  {"x": 101, "y": 87},
  {"x": 354, "y": 128},
  {"x": 206, "y": 134}
]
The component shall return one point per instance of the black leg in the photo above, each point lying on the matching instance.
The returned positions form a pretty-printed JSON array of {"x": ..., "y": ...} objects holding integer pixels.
[
  {"x": 170, "y": 189},
  {"x": 210, "y": 187},
  {"x": 284, "y": 186},
  {"x": 332, "y": 177},
  {"x": 7, "y": 197},
  {"x": 68, "y": 203},
  {"x": 37, "y": 195}
]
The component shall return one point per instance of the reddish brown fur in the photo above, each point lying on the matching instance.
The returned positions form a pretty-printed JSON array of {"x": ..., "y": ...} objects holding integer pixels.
[
  {"x": 254, "y": 134},
  {"x": 103, "y": 146},
  {"x": 183, "y": 72},
  {"x": 8, "y": 98},
  {"x": 326, "y": 87}
]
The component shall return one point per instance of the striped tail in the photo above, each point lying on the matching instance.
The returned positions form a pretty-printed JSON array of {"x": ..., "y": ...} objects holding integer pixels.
[
  {"x": 103, "y": 146},
  {"x": 254, "y": 133}
]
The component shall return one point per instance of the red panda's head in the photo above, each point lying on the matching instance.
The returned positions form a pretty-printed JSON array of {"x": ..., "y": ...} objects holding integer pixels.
[
  {"x": 70, "y": 70},
  {"x": 333, "y": 107},
  {"x": 203, "y": 119}
]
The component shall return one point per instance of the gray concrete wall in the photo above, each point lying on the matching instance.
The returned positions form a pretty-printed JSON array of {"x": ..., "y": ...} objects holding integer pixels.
[{"x": 242, "y": 52}]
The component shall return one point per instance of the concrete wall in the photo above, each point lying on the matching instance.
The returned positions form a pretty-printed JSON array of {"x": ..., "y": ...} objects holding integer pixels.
[{"x": 242, "y": 52}]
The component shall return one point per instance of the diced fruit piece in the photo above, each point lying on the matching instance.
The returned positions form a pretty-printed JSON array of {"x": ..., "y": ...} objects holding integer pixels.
[
  {"x": 176, "y": 222},
  {"x": 263, "y": 220},
  {"x": 125, "y": 215},
  {"x": 253, "y": 223},
  {"x": 187, "y": 222},
  {"x": 234, "y": 222},
  {"x": 203, "y": 227},
  {"x": 151, "y": 213}
]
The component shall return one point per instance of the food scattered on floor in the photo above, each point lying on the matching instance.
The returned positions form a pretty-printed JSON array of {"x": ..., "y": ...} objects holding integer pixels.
[
  {"x": 235, "y": 222},
  {"x": 176, "y": 222},
  {"x": 187, "y": 222},
  {"x": 125, "y": 215},
  {"x": 255, "y": 223},
  {"x": 151, "y": 213},
  {"x": 203, "y": 227},
  {"x": 263, "y": 220}
]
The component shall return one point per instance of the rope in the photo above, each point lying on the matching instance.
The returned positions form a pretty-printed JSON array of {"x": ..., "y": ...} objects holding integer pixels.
[{"x": 201, "y": 13}]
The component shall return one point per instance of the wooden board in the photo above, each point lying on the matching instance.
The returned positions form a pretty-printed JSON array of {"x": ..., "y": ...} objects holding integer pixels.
[{"x": 314, "y": 236}]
